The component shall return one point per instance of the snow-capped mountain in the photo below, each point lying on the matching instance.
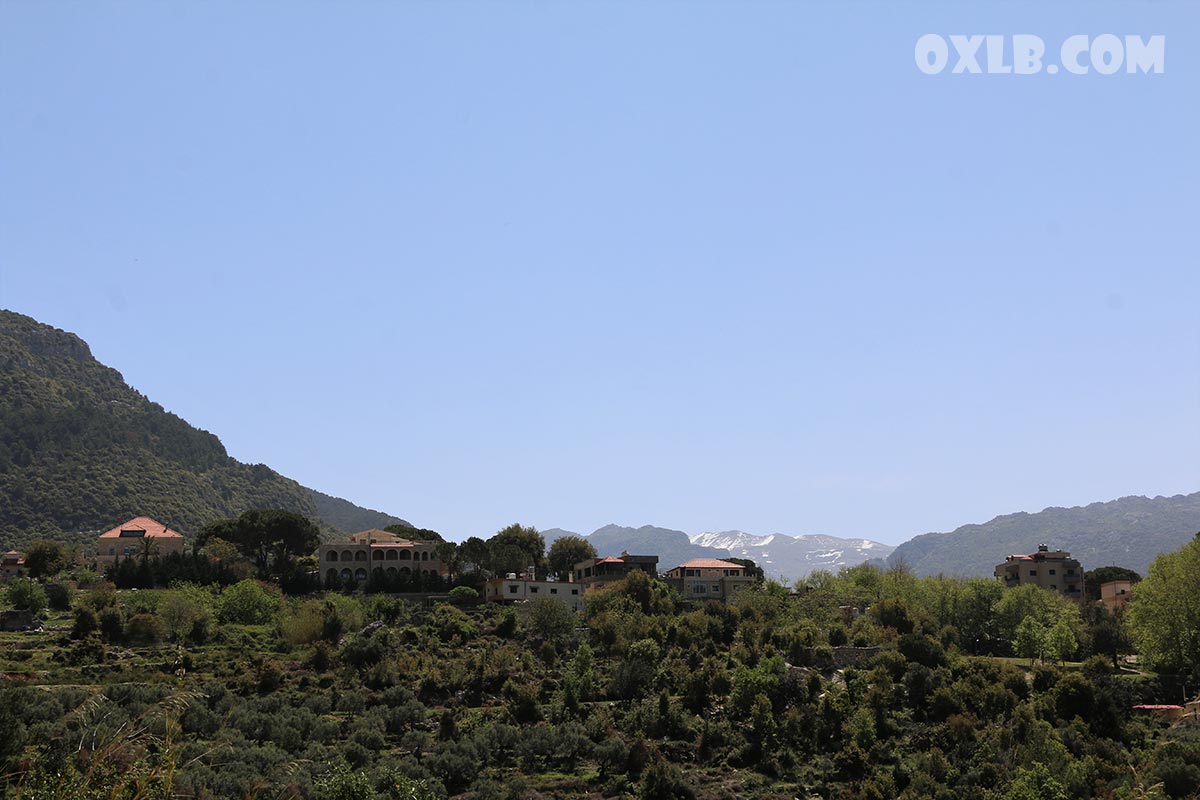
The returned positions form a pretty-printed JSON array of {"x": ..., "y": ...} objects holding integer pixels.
[{"x": 793, "y": 557}]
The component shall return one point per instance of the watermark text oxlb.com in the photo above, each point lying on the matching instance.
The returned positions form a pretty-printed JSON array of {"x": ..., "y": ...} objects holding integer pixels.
[{"x": 1025, "y": 54}]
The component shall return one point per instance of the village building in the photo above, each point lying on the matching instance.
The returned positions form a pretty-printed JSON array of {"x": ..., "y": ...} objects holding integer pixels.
[
  {"x": 379, "y": 553},
  {"x": 709, "y": 579},
  {"x": 12, "y": 565},
  {"x": 596, "y": 572},
  {"x": 140, "y": 536},
  {"x": 515, "y": 588},
  {"x": 1115, "y": 595},
  {"x": 1054, "y": 570}
]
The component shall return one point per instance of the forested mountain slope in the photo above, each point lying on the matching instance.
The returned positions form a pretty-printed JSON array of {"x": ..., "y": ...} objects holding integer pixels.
[
  {"x": 1128, "y": 532},
  {"x": 80, "y": 450}
]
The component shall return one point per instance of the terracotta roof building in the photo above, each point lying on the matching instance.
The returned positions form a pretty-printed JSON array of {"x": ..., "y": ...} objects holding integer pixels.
[
  {"x": 130, "y": 541},
  {"x": 378, "y": 554},
  {"x": 12, "y": 565}
]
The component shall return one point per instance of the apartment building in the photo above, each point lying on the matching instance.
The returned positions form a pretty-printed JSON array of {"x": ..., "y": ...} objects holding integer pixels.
[
  {"x": 1050, "y": 569},
  {"x": 709, "y": 579}
]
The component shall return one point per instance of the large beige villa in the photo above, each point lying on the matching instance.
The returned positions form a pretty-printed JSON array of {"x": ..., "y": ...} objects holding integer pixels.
[{"x": 358, "y": 557}]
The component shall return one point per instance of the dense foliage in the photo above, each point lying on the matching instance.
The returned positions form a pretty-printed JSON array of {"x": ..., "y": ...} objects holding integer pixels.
[{"x": 866, "y": 684}]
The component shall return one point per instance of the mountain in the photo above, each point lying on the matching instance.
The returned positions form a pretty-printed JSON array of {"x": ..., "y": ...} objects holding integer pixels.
[
  {"x": 347, "y": 517},
  {"x": 672, "y": 547},
  {"x": 80, "y": 451},
  {"x": 1128, "y": 532},
  {"x": 792, "y": 557}
]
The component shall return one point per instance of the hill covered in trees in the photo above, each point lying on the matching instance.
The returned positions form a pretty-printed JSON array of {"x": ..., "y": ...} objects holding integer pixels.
[
  {"x": 80, "y": 450},
  {"x": 1128, "y": 532}
]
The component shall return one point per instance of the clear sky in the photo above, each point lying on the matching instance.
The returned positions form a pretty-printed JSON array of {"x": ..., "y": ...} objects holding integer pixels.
[{"x": 704, "y": 266}]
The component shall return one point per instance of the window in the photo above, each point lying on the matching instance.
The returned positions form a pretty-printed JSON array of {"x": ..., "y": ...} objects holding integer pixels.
[
  {"x": 716, "y": 588},
  {"x": 512, "y": 588},
  {"x": 1053, "y": 572},
  {"x": 699, "y": 588},
  {"x": 1054, "y": 587},
  {"x": 554, "y": 591},
  {"x": 574, "y": 591},
  {"x": 1033, "y": 573},
  {"x": 533, "y": 589}
]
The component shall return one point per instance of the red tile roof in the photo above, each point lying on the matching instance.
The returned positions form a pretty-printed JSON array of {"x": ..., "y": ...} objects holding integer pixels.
[
  {"x": 1159, "y": 707},
  {"x": 709, "y": 563},
  {"x": 610, "y": 560},
  {"x": 153, "y": 529}
]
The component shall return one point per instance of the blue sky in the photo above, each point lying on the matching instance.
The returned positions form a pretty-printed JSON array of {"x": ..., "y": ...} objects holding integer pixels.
[{"x": 705, "y": 266}]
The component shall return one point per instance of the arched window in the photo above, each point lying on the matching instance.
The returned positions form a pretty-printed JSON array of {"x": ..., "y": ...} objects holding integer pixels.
[
  {"x": 377, "y": 555},
  {"x": 391, "y": 572},
  {"x": 405, "y": 555},
  {"x": 360, "y": 555},
  {"x": 331, "y": 556},
  {"x": 346, "y": 574},
  {"x": 391, "y": 555},
  {"x": 425, "y": 556},
  {"x": 405, "y": 571},
  {"x": 331, "y": 575},
  {"x": 360, "y": 574},
  {"x": 347, "y": 555}
]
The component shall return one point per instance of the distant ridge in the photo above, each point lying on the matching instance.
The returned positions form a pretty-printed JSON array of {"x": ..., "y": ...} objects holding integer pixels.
[
  {"x": 790, "y": 558},
  {"x": 81, "y": 451},
  {"x": 781, "y": 556},
  {"x": 1128, "y": 532}
]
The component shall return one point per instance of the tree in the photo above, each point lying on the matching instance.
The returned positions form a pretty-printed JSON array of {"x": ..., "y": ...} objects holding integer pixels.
[
  {"x": 514, "y": 548},
  {"x": 247, "y": 603},
  {"x": 568, "y": 551},
  {"x": 271, "y": 539},
  {"x": 1030, "y": 639},
  {"x": 472, "y": 554},
  {"x": 46, "y": 557},
  {"x": 1060, "y": 640},
  {"x": 415, "y": 534},
  {"x": 1164, "y": 616},
  {"x": 27, "y": 595},
  {"x": 548, "y": 618},
  {"x": 447, "y": 553}
]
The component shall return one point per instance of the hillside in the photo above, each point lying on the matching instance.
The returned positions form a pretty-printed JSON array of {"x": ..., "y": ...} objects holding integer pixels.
[
  {"x": 1128, "y": 532},
  {"x": 80, "y": 450},
  {"x": 791, "y": 557}
]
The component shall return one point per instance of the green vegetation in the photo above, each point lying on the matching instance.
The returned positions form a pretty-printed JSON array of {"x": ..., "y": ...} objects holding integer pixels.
[
  {"x": 1165, "y": 617},
  {"x": 235, "y": 689}
]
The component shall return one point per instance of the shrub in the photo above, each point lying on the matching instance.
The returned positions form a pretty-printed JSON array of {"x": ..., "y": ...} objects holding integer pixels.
[
  {"x": 145, "y": 629},
  {"x": 463, "y": 594},
  {"x": 59, "y": 596},
  {"x": 247, "y": 603},
  {"x": 86, "y": 622},
  {"x": 26, "y": 595}
]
